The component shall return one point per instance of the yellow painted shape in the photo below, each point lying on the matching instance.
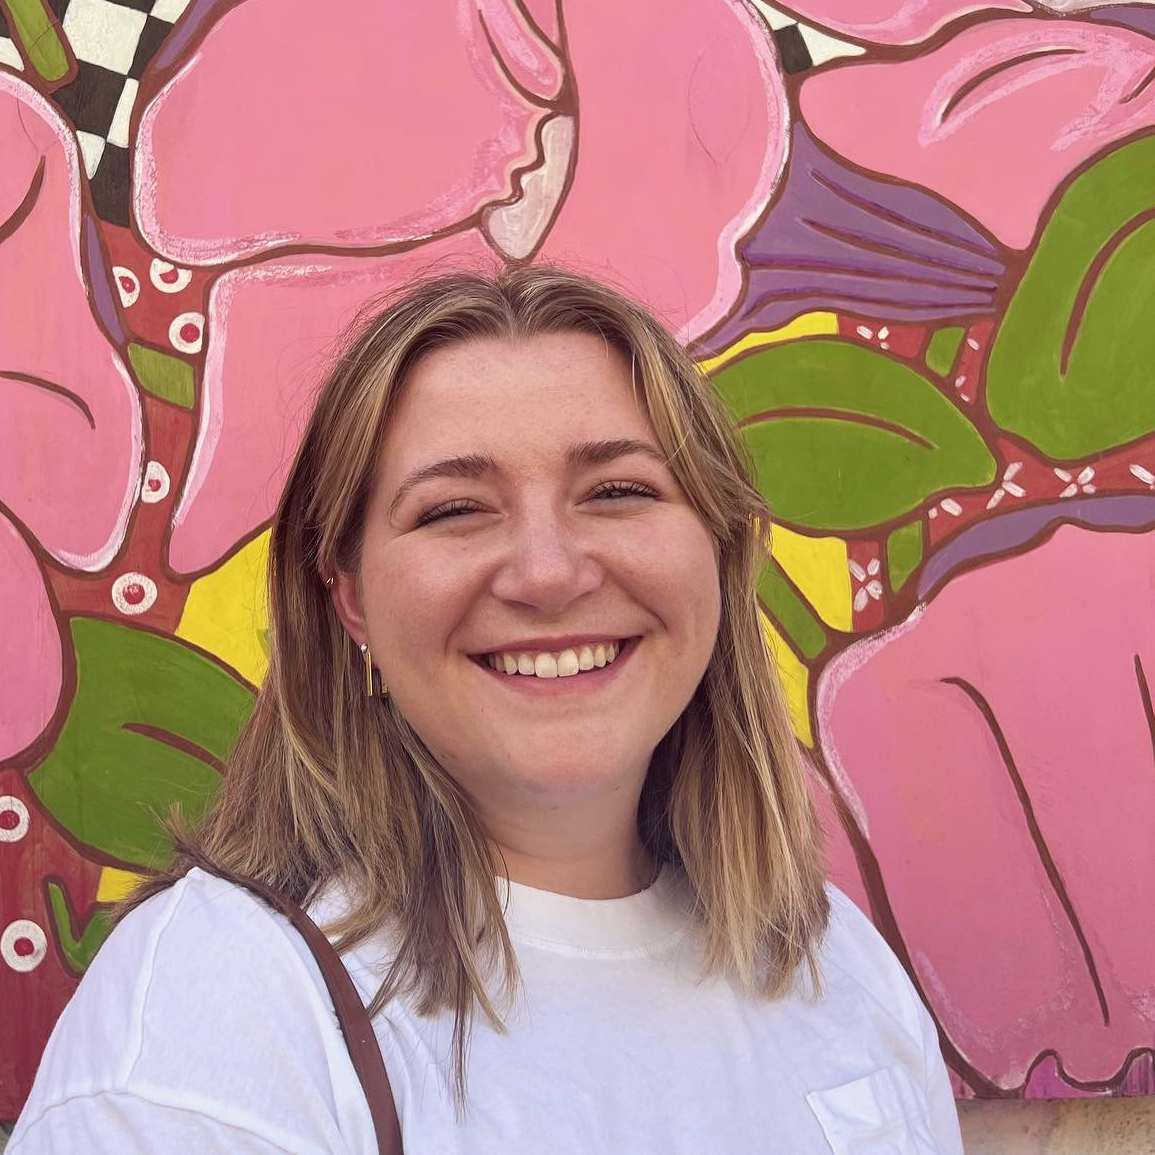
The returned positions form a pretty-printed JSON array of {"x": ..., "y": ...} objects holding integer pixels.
[
  {"x": 795, "y": 679},
  {"x": 227, "y": 611},
  {"x": 808, "y": 325},
  {"x": 818, "y": 567},
  {"x": 115, "y": 884}
]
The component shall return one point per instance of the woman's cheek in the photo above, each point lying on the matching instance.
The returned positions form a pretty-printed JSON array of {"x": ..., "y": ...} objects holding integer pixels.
[
  {"x": 424, "y": 593},
  {"x": 678, "y": 557}
]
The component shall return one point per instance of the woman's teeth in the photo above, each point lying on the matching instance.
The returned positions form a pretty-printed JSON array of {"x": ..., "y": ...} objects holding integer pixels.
[{"x": 560, "y": 665}]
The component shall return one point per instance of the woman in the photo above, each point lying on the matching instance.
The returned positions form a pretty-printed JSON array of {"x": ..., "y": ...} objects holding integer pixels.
[{"x": 522, "y": 752}]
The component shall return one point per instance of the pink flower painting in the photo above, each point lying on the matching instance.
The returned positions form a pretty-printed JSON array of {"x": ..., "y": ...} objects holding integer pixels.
[
  {"x": 888, "y": 22},
  {"x": 534, "y": 140},
  {"x": 70, "y": 425},
  {"x": 995, "y": 119},
  {"x": 1002, "y": 738}
]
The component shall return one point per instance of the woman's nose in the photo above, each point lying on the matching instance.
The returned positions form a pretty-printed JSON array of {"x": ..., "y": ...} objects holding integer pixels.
[{"x": 546, "y": 564}]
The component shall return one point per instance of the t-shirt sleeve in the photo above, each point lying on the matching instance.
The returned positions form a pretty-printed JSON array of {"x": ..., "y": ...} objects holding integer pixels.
[
  {"x": 129, "y": 1124},
  {"x": 202, "y": 1025}
]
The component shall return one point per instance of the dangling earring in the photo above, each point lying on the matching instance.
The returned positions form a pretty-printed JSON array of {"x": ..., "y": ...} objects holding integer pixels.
[{"x": 373, "y": 686}]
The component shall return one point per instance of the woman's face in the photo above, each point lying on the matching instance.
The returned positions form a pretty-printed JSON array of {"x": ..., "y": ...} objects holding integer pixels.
[{"x": 523, "y": 518}]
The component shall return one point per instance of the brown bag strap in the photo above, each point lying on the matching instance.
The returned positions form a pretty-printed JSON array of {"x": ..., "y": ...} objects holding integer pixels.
[{"x": 364, "y": 1049}]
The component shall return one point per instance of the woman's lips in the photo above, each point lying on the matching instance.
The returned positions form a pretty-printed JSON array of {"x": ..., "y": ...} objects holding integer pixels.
[{"x": 584, "y": 680}]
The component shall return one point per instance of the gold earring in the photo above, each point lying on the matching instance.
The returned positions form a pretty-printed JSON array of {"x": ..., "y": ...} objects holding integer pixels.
[{"x": 373, "y": 686}]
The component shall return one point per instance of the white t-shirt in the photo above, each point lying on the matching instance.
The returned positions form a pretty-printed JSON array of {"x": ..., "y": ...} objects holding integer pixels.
[{"x": 203, "y": 1025}]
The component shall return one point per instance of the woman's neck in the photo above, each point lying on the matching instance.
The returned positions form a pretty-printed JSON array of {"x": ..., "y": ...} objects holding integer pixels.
[
  {"x": 594, "y": 875},
  {"x": 583, "y": 846}
]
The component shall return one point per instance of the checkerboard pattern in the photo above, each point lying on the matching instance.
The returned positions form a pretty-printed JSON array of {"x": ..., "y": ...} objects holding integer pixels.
[
  {"x": 113, "y": 41},
  {"x": 801, "y": 47}
]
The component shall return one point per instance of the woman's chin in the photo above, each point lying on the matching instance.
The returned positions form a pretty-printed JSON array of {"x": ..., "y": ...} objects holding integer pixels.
[{"x": 565, "y": 769}]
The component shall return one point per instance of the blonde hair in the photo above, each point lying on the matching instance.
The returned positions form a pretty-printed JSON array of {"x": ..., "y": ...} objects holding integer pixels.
[{"x": 325, "y": 784}]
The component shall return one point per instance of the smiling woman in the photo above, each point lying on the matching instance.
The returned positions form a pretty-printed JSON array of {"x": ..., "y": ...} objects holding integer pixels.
[{"x": 522, "y": 753}]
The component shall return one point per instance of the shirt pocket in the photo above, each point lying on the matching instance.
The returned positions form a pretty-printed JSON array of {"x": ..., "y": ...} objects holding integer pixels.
[{"x": 883, "y": 1113}]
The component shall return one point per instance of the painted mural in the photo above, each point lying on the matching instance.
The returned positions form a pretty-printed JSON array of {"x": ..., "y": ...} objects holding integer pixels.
[{"x": 912, "y": 242}]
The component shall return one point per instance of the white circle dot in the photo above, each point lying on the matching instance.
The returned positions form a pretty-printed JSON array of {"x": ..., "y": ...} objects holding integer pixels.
[
  {"x": 133, "y": 593},
  {"x": 127, "y": 285},
  {"x": 167, "y": 277},
  {"x": 10, "y": 804},
  {"x": 181, "y": 332},
  {"x": 23, "y": 929},
  {"x": 156, "y": 483}
]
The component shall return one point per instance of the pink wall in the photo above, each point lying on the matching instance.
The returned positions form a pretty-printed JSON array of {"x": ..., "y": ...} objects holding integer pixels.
[{"x": 912, "y": 243}]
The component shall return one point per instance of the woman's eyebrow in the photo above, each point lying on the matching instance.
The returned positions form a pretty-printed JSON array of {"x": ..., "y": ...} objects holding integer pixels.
[
  {"x": 474, "y": 465},
  {"x": 603, "y": 452},
  {"x": 470, "y": 465}
]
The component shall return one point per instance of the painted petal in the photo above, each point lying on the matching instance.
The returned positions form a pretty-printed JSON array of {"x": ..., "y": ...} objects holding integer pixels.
[
  {"x": 682, "y": 139},
  {"x": 255, "y": 402},
  {"x": 545, "y": 14},
  {"x": 530, "y": 60},
  {"x": 892, "y": 21},
  {"x": 30, "y": 655},
  {"x": 1021, "y": 935},
  {"x": 70, "y": 424},
  {"x": 994, "y": 120},
  {"x": 836, "y": 238},
  {"x": 1137, "y": 16},
  {"x": 335, "y": 136}
]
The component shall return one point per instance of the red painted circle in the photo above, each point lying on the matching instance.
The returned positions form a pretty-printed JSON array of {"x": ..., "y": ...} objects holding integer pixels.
[
  {"x": 133, "y": 593},
  {"x": 170, "y": 276},
  {"x": 9, "y": 820},
  {"x": 127, "y": 284},
  {"x": 154, "y": 483},
  {"x": 189, "y": 332},
  {"x": 24, "y": 947}
]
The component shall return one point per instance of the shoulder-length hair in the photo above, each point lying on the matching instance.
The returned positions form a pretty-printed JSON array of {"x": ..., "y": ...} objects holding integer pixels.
[{"x": 327, "y": 784}]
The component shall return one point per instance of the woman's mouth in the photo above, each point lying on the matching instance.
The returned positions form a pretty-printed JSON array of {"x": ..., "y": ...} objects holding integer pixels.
[{"x": 565, "y": 663}]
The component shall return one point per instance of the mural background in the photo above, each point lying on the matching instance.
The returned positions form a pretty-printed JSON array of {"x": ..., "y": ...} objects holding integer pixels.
[{"x": 913, "y": 245}]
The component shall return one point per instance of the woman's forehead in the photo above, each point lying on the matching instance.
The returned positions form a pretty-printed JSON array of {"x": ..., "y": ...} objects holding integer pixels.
[{"x": 574, "y": 379}]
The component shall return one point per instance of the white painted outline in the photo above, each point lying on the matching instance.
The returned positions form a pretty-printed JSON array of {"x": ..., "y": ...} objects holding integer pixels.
[
  {"x": 23, "y": 928},
  {"x": 830, "y": 681},
  {"x": 10, "y": 804}
]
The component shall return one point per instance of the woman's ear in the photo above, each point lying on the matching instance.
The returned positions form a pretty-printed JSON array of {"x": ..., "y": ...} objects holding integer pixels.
[{"x": 347, "y": 602}]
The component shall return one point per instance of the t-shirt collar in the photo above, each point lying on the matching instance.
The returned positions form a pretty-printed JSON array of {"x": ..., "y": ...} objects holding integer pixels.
[{"x": 638, "y": 922}]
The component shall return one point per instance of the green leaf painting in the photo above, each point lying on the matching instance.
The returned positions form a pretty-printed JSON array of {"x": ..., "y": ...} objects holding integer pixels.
[
  {"x": 904, "y": 549},
  {"x": 33, "y": 25},
  {"x": 791, "y": 611},
  {"x": 149, "y": 726},
  {"x": 844, "y": 438},
  {"x": 942, "y": 349},
  {"x": 163, "y": 375},
  {"x": 1071, "y": 366},
  {"x": 78, "y": 944}
]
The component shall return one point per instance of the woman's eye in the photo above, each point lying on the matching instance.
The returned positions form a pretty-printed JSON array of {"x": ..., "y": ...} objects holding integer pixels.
[
  {"x": 453, "y": 508},
  {"x": 618, "y": 489}
]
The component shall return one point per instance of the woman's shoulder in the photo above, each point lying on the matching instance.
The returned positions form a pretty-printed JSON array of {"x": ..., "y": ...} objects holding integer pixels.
[
  {"x": 208, "y": 942},
  {"x": 203, "y": 938},
  {"x": 182, "y": 980}
]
